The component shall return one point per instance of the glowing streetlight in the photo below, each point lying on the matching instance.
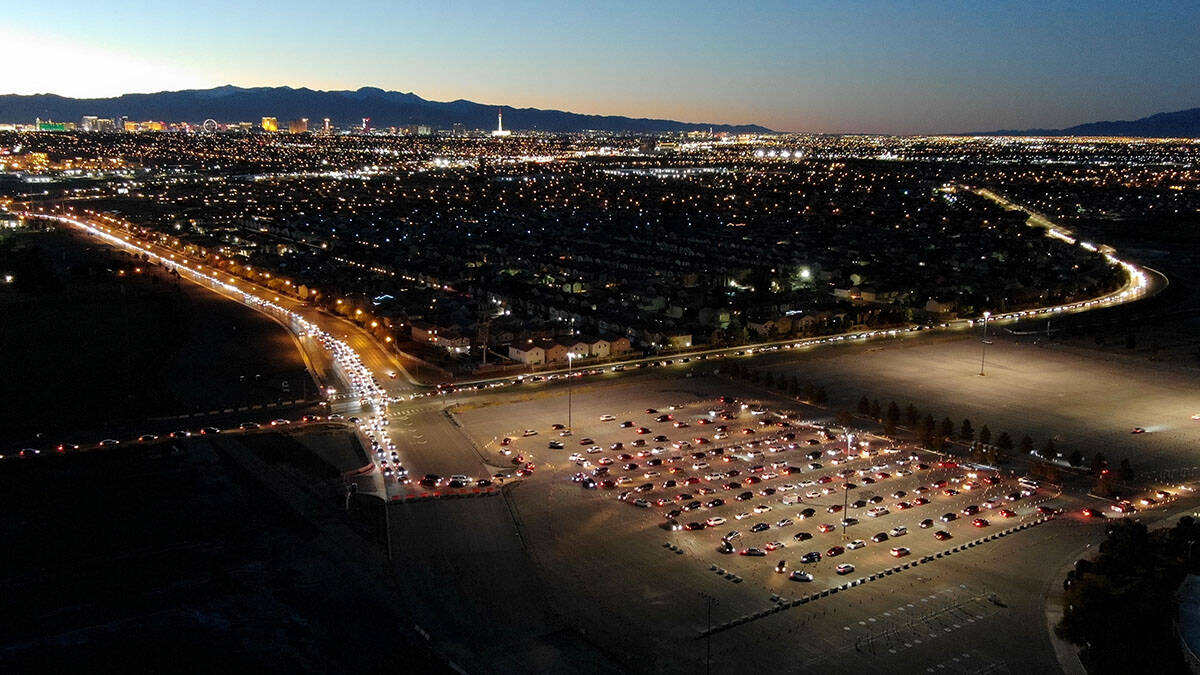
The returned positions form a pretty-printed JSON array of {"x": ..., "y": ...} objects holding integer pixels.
[{"x": 984, "y": 343}]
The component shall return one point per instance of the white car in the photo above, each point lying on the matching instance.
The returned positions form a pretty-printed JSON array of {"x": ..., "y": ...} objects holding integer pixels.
[
  {"x": 742, "y": 516},
  {"x": 608, "y": 418},
  {"x": 715, "y": 521},
  {"x": 762, "y": 508},
  {"x": 856, "y": 544},
  {"x": 898, "y": 531}
]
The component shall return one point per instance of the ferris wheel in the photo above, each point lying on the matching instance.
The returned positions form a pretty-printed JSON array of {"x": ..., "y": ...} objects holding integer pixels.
[{"x": 209, "y": 125}]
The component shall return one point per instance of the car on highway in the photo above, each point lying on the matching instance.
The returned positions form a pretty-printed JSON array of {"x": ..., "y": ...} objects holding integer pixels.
[
  {"x": 811, "y": 557},
  {"x": 526, "y": 433},
  {"x": 980, "y": 522},
  {"x": 856, "y": 544},
  {"x": 834, "y": 551},
  {"x": 898, "y": 531},
  {"x": 941, "y": 535},
  {"x": 249, "y": 425},
  {"x": 774, "y": 545},
  {"x": 879, "y": 536},
  {"x": 752, "y": 552},
  {"x": 279, "y": 422},
  {"x": 844, "y": 569},
  {"x": 760, "y": 527},
  {"x": 608, "y": 418},
  {"x": 801, "y": 536},
  {"x": 949, "y": 516},
  {"x": 799, "y": 575},
  {"x": 926, "y": 524},
  {"x": 900, "y": 551}
]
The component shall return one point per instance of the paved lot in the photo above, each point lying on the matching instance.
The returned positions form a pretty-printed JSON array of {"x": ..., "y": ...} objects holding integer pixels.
[
  {"x": 1086, "y": 400},
  {"x": 605, "y": 559}
]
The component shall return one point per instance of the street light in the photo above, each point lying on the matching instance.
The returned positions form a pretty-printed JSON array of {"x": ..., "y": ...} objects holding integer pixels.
[
  {"x": 845, "y": 482},
  {"x": 570, "y": 385},
  {"x": 984, "y": 344}
]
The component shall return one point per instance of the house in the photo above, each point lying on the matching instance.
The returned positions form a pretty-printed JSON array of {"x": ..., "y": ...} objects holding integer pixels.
[
  {"x": 527, "y": 353},
  {"x": 578, "y": 346},
  {"x": 452, "y": 341},
  {"x": 597, "y": 347},
  {"x": 619, "y": 345},
  {"x": 678, "y": 340},
  {"x": 554, "y": 352},
  {"x": 423, "y": 331}
]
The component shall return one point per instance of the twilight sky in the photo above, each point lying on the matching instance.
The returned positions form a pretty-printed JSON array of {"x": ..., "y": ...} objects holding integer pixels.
[{"x": 898, "y": 66}]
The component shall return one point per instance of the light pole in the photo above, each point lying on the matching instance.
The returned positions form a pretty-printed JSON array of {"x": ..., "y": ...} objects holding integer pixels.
[
  {"x": 709, "y": 601},
  {"x": 846, "y": 482},
  {"x": 570, "y": 386},
  {"x": 984, "y": 343}
]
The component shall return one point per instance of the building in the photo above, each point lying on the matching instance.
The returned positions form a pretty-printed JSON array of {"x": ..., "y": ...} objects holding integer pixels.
[
  {"x": 270, "y": 124},
  {"x": 299, "y": 126},
  {"x": 527, "y": 353},
  {"x": 500, "y": 131}
]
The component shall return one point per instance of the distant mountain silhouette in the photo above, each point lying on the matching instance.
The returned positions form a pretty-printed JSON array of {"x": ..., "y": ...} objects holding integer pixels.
[
  {"x": 385, "y": 108},
  {"x": 1182, "y": 124}
]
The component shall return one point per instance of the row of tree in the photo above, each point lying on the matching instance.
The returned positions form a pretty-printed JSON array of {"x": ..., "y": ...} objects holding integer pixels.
[{"x": 941, "y": 436}]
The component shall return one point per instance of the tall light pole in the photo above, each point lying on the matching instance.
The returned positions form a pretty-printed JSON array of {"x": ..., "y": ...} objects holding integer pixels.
[
  {"x": 846, "y": 482},
  {"x": 709, "y": 601},
  {"x": 984, "y": 343},
  {"x": 570, "y": 386}
]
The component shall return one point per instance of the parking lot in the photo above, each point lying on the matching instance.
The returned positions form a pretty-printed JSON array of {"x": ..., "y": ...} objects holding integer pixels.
[{"x": 774, "y": 485}]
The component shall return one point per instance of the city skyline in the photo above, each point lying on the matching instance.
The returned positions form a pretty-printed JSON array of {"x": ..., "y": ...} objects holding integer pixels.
[{"x": 868, "y": 68}]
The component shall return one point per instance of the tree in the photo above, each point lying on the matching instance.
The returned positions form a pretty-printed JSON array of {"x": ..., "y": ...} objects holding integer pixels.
[
  {"x": 794, "y": 386},
  {"x": 768, "y": 379},
  {"x": 1049, "y": 450},
  {"x": 985, "y": 435},
  {"x": 1026, "y": 445},
  {"x": 911, "y": 414},
  {"x": 1004, "y": 442},
  {"x": 966, "y": 431},
  {"x": 1076, "y": 459},
  {"x": 1125, "y": 470},
  {"x": 1104, "y": 485},
  {"x": 843, "y": 418},
  {"x": 864, "y": 406},
  {"x": 810, "y": 392},
  {"x": 1130, "y": 341},
  {"x": 1098, "y": 463},
  {"x": 893, "y": 413},
  {"x": 876, "y": 411},
  {"x": 925, "y": 429},
  {"x": 889, "y": 427},
  {"x": 947, "y": 429},
  {"x": 822, "y": 397}
]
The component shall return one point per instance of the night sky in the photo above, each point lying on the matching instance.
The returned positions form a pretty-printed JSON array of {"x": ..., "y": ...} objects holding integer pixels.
[{"x": 867, "y": 66}]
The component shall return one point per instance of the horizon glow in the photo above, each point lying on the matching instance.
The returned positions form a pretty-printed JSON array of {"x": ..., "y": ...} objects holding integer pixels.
[{"x": 868, "y": 66}]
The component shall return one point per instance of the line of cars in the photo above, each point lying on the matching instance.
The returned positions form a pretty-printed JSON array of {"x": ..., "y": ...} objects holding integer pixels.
[{"x": 153, "y": 438}]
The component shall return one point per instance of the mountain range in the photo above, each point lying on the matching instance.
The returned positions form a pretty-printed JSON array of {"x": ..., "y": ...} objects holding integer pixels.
[
  {"x": 1181, "y": 124},
  {"x": 344, "y": 108}
]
